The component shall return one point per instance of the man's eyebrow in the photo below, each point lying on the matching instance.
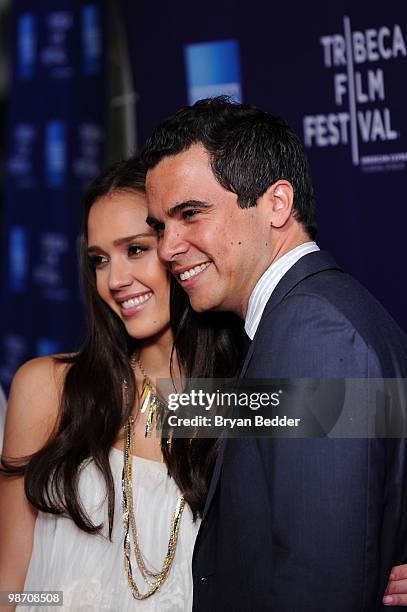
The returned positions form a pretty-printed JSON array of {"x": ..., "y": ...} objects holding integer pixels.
[
  {"x": 124, "y": 240},
  {"x": 174, "y": 210}
]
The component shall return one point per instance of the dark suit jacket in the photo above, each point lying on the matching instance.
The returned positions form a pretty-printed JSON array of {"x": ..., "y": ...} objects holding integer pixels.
[{"x": 294, "y": 525}]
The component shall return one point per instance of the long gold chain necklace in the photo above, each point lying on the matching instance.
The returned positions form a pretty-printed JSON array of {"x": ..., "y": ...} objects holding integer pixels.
[{"x": 153, "y": 579}]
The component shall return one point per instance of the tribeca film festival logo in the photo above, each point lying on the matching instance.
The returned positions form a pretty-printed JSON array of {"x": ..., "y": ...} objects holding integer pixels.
[{"x": 360, "y": 90}]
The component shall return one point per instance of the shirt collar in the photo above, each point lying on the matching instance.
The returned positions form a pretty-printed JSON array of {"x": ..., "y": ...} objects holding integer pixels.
[{"x": 269, "y": 281}]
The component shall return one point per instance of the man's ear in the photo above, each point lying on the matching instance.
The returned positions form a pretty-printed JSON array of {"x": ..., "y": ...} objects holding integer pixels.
[{"x": 279, "y": 201}]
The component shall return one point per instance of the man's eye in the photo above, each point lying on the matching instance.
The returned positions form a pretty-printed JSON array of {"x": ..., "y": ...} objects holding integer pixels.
[
  {"x": 187, "y": 214},
  {"x": 97, "y": 261},
  {"x": 134, "y": 250},
  {"x": 157, "y": 226}
]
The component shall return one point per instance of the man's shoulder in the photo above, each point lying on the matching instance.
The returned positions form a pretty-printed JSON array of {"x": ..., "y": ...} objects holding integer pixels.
[
  {"x": 331, "y": 313},
  {"x": 333, "y": 293},
  {"x": 316, "y": 277},
  {"x": 341, "y": 296},
  {"x": 336, "y": 286}
]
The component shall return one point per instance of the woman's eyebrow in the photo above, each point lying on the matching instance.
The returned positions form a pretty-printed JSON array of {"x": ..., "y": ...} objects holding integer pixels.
[
  {"x": 127, "y": 239},
  {"x": 124, "y": 240}
]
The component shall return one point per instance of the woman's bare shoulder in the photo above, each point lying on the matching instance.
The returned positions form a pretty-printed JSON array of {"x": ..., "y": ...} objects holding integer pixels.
[
  {"x": 34, "y": 404},
  {"x": 35, "y": 372}
]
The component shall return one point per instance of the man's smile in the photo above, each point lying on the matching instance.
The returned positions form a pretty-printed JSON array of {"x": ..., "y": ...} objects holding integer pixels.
[{"x": 184, "y": 273}]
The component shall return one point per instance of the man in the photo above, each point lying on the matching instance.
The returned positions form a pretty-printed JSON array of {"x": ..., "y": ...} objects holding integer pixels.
[{"x": 289, "y": 524}]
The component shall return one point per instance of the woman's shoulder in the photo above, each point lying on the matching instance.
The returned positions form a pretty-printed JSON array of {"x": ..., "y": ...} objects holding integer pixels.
[
  {"x": 50, "y": 368},
  {"x": 41, "y": 379},
  {"x": 34, "y": 403}
]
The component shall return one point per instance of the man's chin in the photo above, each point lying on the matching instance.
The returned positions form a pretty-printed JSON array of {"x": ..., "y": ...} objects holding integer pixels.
[
  {"x": 198, "y": 306},
  {"x": 204, "y": 304}
]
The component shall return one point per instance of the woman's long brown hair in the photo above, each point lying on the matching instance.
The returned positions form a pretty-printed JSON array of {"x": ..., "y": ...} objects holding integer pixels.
[{"x": 93, "y": 408}]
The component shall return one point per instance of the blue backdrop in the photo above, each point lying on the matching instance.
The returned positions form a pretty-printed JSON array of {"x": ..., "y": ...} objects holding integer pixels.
[
  {"x": 55, "y": 146},
  {"x": 335, "y": 71}
]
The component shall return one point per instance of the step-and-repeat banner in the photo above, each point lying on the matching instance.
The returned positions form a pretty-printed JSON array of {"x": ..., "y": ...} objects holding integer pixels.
[
  {"x": 336, "y": 71},
  {"x": 55, "y": 146}
]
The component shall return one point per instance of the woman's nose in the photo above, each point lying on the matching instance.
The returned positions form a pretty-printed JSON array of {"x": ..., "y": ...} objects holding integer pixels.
[{"x": 120, "y": 275}]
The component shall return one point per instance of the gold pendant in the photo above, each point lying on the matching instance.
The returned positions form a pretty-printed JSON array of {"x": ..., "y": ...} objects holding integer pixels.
[
  {"x": 148, "y": 403},
  {"x": 151, "y": 421},
  {"x": 145, "y": 400}
]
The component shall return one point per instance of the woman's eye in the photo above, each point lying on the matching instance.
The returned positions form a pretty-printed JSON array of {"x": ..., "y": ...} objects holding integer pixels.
[
  {"x": 135, "y": 250},
  {"x": 97, "y": 261}
]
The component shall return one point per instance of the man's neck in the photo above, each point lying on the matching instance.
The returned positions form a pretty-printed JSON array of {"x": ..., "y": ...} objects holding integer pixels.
[{"x": 281, "y": 247}]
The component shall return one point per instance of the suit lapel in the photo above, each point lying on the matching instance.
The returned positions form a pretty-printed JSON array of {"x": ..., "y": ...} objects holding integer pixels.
[
  {"x": 215, "y": 476},
  {"x": 310, "y": 264},
  {"x": 313, "y": 263}
]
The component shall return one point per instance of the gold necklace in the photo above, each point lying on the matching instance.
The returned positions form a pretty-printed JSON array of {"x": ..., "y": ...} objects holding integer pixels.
[
  {"x": 153, "y": 579},
  {"x": 149, "y": 401}
]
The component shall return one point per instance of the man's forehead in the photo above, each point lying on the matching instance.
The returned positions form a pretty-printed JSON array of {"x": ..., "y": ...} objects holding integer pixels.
[{"x": 186, "y": 164}]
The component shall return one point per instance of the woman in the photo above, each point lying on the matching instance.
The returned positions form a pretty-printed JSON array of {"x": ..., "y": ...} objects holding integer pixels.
[{"x": 77, "y": 422}]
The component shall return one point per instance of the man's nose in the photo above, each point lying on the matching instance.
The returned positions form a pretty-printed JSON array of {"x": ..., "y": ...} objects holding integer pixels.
[
  {"x": 171, "y": 244},
  {"x": 120, "y": 274}
]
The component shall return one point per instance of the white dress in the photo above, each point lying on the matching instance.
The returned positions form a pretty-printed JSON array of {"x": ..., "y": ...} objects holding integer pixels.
[{"x": 89, "y": 569}]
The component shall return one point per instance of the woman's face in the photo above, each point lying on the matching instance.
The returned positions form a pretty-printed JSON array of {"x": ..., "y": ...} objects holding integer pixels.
[{"x": 129, "y": 276}]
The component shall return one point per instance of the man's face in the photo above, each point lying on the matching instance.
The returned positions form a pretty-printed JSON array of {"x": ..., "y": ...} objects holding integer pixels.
[{"x": 216, "y": 250}]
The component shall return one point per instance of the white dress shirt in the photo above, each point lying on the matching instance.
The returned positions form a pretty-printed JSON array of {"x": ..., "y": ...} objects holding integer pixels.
[{"x": 268, "y": 281}]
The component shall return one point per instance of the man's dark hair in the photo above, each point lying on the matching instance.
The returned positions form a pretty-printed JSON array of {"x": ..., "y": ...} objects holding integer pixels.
[{"x": 249, "y": 151}]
